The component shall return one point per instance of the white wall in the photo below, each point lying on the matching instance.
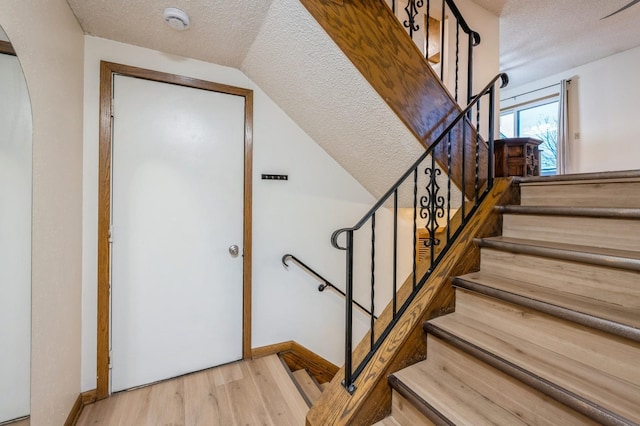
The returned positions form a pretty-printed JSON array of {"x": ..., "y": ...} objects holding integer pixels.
[
  {"x": 603, "y": 131},
  {"x": 15, "y": 240},
  {"x": 296, "y": 216},
  {"x": 49, "y": 43},
  {"x": 3, "y": 35}
]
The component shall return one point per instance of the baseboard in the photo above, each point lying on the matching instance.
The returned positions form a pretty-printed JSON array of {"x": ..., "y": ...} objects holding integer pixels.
[
  {"x": 85, "y": 398},
  {"x": 74, "y": 414},
  {"x": 297, "y": 356},
  {"x": 277, "y": 348},
  {"x": 89, "y": 397}
]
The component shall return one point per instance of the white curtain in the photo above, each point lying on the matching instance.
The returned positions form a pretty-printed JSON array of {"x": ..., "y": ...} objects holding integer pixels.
[{"x": 563, "y": 128}]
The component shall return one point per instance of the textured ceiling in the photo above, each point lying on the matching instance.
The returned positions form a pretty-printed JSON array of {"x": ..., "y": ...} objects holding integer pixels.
[
  {"x": 221, "y": 31},
  {"x": 539, "y": 38},
  {"x": 325, "y": 94}
]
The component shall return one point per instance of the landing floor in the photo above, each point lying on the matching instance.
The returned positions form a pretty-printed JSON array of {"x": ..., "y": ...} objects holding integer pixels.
[{"x": 255, "y": 392}]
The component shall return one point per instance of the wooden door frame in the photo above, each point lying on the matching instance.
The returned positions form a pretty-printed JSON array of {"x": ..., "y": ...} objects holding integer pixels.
[{"x": 107, "y": 72}]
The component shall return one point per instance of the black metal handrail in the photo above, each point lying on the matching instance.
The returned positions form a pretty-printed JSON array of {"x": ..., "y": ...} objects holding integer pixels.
[
  {"x": 325, "y": 282},
  {"x": 463, "y": 23},
  {"x": 430, "y": 207}
]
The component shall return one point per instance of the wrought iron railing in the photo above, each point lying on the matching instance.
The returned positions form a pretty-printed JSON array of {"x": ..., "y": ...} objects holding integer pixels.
[
  {"x": 445, "y": 8},
  {"x": 324, "y": 283},
  {"x": 435, "y": 211}
]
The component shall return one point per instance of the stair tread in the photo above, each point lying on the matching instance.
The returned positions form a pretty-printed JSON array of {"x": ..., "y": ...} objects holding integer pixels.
[
  {"x": 624, "y": 315},
  {"x": 580, "y": 177},
  {"x": 387, "y": 421},
  {"x": 601, "y": 212},
  {"x": 628, "y": 259},
  {"x": 307, "y": 385},
  {"x": 588, "y": 363},
  {"x": 463, "y": 390}
]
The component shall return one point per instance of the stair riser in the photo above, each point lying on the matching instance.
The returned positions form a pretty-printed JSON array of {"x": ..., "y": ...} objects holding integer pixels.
[
  {"x": 624, "y": 194},
  {"x": 406, "y": 413},
  {"x": 621, "y": 234},
  {"x": 596, "y": 282}
]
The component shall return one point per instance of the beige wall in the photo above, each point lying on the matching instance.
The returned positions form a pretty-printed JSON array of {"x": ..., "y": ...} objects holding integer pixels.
[{"x": 49, "y": 43}]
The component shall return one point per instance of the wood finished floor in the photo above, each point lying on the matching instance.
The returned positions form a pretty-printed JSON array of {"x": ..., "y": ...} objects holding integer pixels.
[{"x": 255, "y": 392}]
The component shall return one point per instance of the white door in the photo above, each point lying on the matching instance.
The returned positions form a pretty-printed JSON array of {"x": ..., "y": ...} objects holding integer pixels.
[{"x": 177, "y": 207}]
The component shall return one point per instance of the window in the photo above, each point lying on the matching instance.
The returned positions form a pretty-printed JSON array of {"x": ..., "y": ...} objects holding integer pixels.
[{"x": 537, "y": 120}]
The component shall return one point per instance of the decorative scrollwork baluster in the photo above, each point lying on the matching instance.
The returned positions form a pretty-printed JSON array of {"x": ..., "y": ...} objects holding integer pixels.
[
  {"x": 432, "y": 205},
  {"x": 412, "y": 8}
]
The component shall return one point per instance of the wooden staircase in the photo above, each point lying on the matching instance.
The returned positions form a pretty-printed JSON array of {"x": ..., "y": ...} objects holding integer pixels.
[{"x": 548, "y": 330}]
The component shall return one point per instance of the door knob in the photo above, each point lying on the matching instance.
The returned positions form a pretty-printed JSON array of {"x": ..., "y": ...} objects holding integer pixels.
[{"x": 234, "y": 250}]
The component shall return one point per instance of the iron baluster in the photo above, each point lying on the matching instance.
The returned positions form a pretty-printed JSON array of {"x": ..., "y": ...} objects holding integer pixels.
[
  {"x": 426, "y": 30},
  {"x": 348, "y": 380},
  {"x": 442, "y": 53},
  {"x": 463, "y": 145},
  {"x": 490, "y": 164},
  {"x": 457, "y": 58},
  {"x": 373, "y": 273},
  {"x": 449, "y": 188},
  {"x": 415, "y": 220},
  {"x": 395, "y": 249},
  {"x": 477, "y": 182},
  {"x": 412, "y": 11},
  {"x": 470, "y": 68}
]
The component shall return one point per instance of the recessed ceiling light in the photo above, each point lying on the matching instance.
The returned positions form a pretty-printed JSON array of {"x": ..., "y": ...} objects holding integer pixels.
[{"x": 176, "y": 18}]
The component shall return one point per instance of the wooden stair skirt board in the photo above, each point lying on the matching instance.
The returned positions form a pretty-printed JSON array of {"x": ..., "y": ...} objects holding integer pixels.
[
  {"x": 548, "y": 330},
  {"x": 401, "y": 75}
]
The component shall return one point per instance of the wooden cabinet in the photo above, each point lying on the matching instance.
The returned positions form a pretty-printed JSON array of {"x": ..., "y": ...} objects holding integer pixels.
[{"x": 517, "y": 157}]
